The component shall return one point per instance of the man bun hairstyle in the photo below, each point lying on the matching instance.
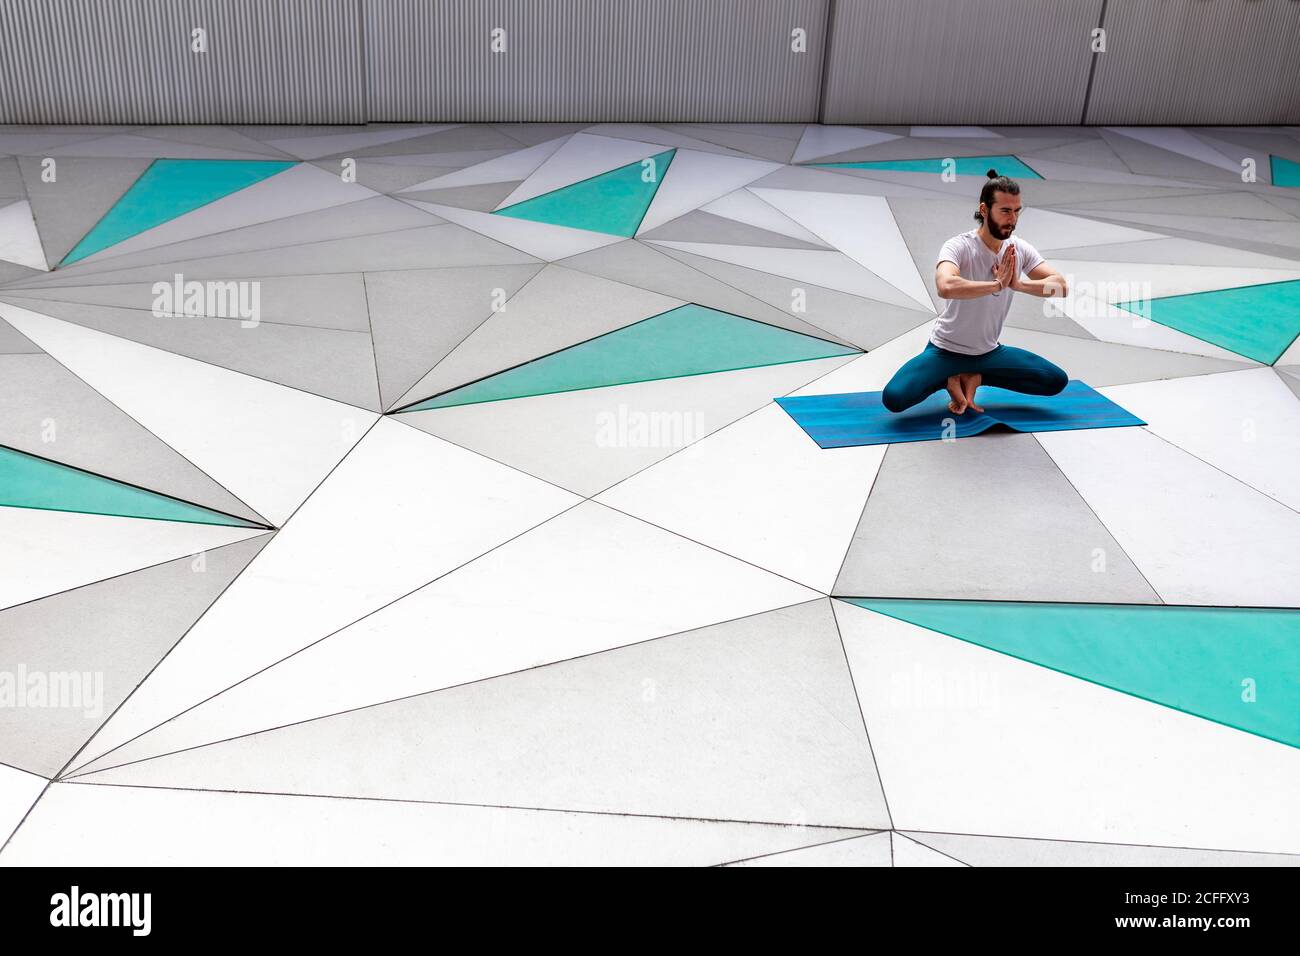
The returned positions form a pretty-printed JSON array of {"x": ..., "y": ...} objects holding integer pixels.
[{"x": 993, "y": 184}]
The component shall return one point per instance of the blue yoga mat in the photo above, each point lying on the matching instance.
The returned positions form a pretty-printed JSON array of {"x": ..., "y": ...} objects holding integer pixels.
[{"x": 858, "y": 418}]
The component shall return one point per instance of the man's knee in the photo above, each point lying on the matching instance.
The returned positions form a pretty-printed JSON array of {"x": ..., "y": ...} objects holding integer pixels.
[
  {"x": 892, "y": 399},
  {"x": 1056, "y": 380}
]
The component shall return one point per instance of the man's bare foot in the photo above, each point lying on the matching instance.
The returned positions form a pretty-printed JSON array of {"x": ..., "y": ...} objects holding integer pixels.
[
  {"x": 969, "y": 382},
  {"x": 959, "y": 402}
]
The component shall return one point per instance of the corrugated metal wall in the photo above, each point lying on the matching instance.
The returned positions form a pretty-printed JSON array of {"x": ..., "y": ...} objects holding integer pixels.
[
  {"x": 889, "y": 61},
  {"x": 1015, "y": 62},
  {"x": 129, "y": 61},
  {"x": 594, "y": 60},
  {"x": 1234, "y": 62}
]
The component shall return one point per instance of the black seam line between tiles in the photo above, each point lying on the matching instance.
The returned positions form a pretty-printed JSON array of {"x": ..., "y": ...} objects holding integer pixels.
[
  {"x": 576, "y": 182},
  {"x": 602, "y": 335},
  {"x": 406, "y": 409},
  {"x": 296, "y": 652},
  {"x": 394, "y": 700},
  {"x": 662, "y": 177},
  {"x": 408, "y": 424},
  {"x": 1096, "y": 517},
  {"x": 541, "y": 267},
  {"x": 1188, "y": 234},
  {"x": 783, "y": 824},
  {"x": 194, "y": 623},
  {"x": 760, "y": 408},
  {"x": 848, "y": 668},
  {"x": 9, "y": 295},
  {"x": 1240, "y": 481},
  {"x": 880, "y": 466},
  {"x": 250, "y": 156},
  {"x": 12, "y": 833},
  {"x": 85, "y": 328},
  {"x": 930, "y": 848},
  {"x": 30, "y": 773},
  {"x": 374, "y": 353},
  {"x": 798, "y": 849},
  {"x": 244, "y": 522},
  {"x": 123, "y": 574},
  {"x": 67, "y": 271},
  {"x": 1095, "y": 211},
  {"x": 653, "y": 245},
  {"x": 1092, "y": 69},
  {"x": 861, "y": 176},
  {"x": 1140, "y": 846},
  {"x": 1080, "y": 604},
  {"x": 137, "y": 422},
  {"x": 272, "y": 155},
  {"x": 892, "y": 862},
  {"x": 104, "y": 215}
]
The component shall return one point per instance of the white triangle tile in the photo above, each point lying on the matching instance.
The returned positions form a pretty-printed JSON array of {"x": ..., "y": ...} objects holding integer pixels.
[
  {"x": 83, "y": 825},
  {"x": 44, "y": 552},
  {"x": 1246, "y": 423},
  {"x": 19, "y": 240},
  {"x": 862, "y": 227},
  {"x": 743, "y": 206},
  {"x": 762, "y": 490},
  {"x": 834, "y": 270},
  {"x": 869, "y": 850},
  {"x": 511, "y": 167},
  {"x": 819, "y": 141},
  {"x": 18, "y": 791},
  {"x": 1179, "y": 141},
  {"x": 299, "y": 189},
  {"x": 1045, "y": 229},
  {"x": 1197, "y": 535},
  {"x": 589, "y": 580},
  {"x": 538, "y": 239},
  {"x": 402, "y": 509},
  {"x": 968, "y": 740},
  {"x": 268, "y": 444},
  {"x": 582, "y": 156},
  {"x": 695, "y": 178}
]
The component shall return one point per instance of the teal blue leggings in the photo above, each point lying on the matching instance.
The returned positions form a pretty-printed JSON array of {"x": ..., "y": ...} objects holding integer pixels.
[{"x": 1006, "y": 367}]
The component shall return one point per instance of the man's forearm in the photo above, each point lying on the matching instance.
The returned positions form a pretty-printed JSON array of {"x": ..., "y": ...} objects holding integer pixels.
[
  {"x": 1050, "y": 287},
  {"x": 959, "y": 288}
]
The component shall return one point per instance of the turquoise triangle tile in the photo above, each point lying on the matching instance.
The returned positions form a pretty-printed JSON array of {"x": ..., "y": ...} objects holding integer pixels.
[
  {"x": 171, "y": 188},
  {"x": 965, "y": 166},
  {"x": 1234, "y": 666},
  {"x": 1283, "y": 171},
  {"x": 612, "y": 202},
  {"x": 1257, "y": 321},
  {"x": 27, "y": 481},
  {"x": 688, "y": 340}
]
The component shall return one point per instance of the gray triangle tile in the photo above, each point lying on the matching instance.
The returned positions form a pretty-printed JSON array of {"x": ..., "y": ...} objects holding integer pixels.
[
  {"x": 328, "y": 362},
  {"x": 418, "y": 316},
  {"x": 97, "y": 643},
  {"x": 51, "y": 413},
  {"x": 700, "y": 724},
  {"x": 942, "y": 521},
  {"x": 701, "y": 226}
]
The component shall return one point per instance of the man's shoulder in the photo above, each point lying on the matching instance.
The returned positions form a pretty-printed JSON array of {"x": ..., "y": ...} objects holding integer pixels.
[{"x": 958, "y": 244}]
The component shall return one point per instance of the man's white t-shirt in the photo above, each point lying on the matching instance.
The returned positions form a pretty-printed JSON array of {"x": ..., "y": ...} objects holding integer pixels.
[{"x": 972, "y": 326}]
